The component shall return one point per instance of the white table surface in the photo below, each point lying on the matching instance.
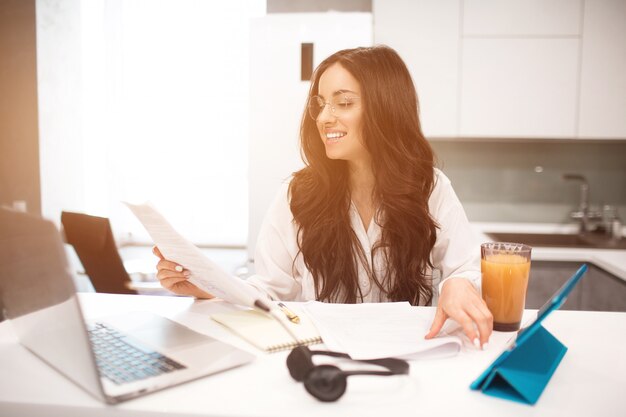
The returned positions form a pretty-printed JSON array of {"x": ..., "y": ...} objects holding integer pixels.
[{"x": 591, "y": 379}]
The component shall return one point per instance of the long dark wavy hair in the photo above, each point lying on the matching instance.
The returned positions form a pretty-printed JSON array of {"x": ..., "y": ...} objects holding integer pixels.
[{"x": 402, "y": 163}]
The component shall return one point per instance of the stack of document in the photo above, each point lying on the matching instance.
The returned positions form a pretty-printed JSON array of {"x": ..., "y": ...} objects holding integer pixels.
[{"x": 378, "y": 330}]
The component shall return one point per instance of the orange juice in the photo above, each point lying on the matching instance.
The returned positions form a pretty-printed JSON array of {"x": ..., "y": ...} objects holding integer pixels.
[{"x": 504, "y": 284}]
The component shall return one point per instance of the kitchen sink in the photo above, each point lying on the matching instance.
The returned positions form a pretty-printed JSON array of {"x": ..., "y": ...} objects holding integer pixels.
[{"x": 591, "y": 240}]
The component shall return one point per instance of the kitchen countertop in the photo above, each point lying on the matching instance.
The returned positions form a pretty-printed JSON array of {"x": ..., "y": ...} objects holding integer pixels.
[{"x": 611, "y": 260}]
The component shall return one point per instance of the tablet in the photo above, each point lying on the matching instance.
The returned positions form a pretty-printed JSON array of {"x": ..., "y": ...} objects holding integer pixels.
[{"x": 524, "y": 334}]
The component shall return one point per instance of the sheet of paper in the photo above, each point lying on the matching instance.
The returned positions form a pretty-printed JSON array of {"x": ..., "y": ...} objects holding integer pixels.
[
  {"x": 377, "y": 330},
  {"x": 205, "y": 274}
]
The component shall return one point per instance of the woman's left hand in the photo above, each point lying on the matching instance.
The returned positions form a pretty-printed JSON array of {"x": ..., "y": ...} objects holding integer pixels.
[{"x": 460, "y": 301}]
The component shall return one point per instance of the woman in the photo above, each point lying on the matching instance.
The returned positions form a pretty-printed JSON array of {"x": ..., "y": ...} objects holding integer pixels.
[{"x": 369, "y": 217}]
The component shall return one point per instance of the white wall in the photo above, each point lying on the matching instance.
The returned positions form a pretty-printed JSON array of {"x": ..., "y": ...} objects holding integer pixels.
[
  {"x": 426, "y": 34},
  {"x": 60, "y": 110},
  {"x": 277, "y": 95}
]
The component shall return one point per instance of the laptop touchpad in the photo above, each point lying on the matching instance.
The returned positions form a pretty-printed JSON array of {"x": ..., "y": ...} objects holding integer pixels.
[{"x": 158, "y": 331}]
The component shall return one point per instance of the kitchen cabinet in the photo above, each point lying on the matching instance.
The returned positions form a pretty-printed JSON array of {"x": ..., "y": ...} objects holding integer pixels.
[
  {"x": 505, "y": 18},
  {"x": 547, "y": 277},
  {"x": 603, "y": 71},
  {"x": 519, "y": 68},
  {"x": 603, "y": 291},
  {"x": 513, "y": 68},
  {"x": 597, "y": 291},
  {"x": 519, "y": 87}
]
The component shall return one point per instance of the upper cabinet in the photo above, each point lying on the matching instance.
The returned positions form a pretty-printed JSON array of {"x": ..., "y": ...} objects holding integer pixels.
[
  {"x": 603, "y": 70},
  {"x": 519, "y": 68},
  {"x": 519, "y": 87},
  {"x": 528, "y": 18},
  {"x": 513, "y": 68}
]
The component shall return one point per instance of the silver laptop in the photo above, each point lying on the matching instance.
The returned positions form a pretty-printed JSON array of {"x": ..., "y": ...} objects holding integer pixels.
[{"x": 114, "y": 359}]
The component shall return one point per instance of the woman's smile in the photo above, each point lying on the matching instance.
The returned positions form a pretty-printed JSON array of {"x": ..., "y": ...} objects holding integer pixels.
[{"x": 333, "y": 136}]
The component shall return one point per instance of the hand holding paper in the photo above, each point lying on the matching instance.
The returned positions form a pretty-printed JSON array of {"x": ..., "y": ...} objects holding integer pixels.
[
  {"x": 205, "y": 274},
  {"x": 175, "y": 277}
]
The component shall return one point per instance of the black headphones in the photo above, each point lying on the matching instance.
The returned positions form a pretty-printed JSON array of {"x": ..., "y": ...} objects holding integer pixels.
[{"x": 328, "y": 382}]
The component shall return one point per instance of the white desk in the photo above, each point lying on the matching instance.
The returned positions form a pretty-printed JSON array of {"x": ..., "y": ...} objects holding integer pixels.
[{"x": 591, "y": 379}]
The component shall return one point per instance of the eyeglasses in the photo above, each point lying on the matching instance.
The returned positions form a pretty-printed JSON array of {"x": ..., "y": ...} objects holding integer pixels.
[{"x": 340, "y": 105}]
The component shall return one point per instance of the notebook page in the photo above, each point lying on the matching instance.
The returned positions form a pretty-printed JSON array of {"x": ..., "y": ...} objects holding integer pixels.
[
  {"x": 377, "y": 330},
  {"x": 265, "y": 333}
]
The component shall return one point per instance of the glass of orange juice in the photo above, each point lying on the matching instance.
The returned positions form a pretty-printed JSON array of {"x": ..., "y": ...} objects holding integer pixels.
[{"x": 505, "y": 269}]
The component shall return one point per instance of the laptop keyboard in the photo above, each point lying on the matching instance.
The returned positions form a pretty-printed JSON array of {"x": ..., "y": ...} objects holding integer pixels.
[{"x": 123, "y": 360}]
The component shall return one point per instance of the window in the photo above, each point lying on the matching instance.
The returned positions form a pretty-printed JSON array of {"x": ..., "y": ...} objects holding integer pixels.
[{"x": 158, "y": 110}]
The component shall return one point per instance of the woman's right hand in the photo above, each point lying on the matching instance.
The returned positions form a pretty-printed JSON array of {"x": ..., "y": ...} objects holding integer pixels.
[{"x": 175, "y": 278}]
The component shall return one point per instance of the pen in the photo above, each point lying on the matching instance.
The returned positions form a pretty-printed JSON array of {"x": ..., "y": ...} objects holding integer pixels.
[{"x": 293, "y": 317}]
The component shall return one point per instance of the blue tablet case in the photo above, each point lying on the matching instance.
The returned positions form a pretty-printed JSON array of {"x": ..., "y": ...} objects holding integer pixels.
[{"x": 523, "y": 370}]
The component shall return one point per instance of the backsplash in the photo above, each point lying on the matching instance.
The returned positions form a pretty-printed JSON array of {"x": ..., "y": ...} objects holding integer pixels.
[{"x": 521, "y": 181}]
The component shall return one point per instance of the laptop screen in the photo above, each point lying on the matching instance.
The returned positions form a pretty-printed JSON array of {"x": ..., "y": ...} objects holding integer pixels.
[{"x": 39, "y": 297}]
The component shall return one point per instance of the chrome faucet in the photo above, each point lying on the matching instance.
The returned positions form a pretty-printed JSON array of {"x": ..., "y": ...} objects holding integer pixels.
[{"x": 584, "y": 213}]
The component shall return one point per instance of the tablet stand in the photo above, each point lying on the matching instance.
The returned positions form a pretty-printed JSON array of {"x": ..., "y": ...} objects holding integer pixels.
[
  {"x": 522, "y": 372},
  {"x": 525, "y": 372}
]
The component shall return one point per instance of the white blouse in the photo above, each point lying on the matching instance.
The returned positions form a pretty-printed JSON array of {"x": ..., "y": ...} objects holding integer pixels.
[{"x": 455, "y": 254}]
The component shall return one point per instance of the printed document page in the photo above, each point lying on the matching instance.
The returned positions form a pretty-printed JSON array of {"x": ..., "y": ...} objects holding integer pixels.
[
  {"x": 205, "y": 274},
  {"x": 377, "y": 330}
]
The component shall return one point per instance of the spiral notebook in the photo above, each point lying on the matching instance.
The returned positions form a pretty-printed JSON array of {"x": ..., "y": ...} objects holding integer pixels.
[{"x": 266, "y": 333}]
